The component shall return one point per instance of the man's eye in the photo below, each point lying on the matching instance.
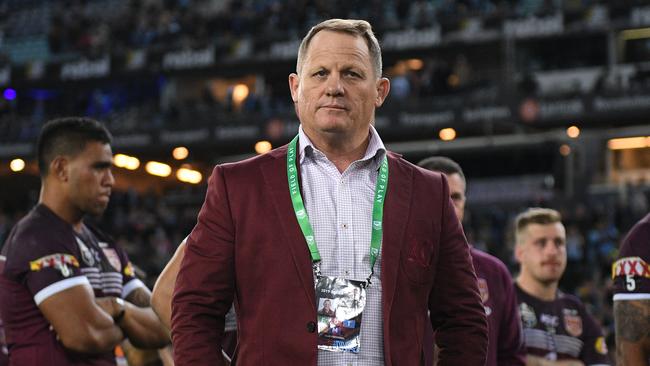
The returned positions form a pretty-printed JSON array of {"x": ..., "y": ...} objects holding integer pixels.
[{"x": 320, "y": 73}]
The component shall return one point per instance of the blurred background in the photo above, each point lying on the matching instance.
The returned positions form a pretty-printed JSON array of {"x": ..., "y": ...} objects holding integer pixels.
[{"x": 542, "y": 102}]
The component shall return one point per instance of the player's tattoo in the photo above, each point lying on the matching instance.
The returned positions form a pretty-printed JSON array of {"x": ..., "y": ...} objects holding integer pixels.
[
  {"x": 140, "y": 297},
  {"x": 632, "y": 319}
]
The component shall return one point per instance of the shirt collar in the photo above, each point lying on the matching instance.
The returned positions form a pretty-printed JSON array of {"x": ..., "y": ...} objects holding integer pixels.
[{"x": 375, "y": 151}]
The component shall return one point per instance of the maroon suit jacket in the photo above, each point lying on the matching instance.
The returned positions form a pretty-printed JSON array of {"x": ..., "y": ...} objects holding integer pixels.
[{"x": 247, "y": 246}]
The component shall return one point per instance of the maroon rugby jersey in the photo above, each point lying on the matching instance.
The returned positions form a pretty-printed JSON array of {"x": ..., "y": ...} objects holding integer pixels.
[
  {"x": 506, "y": 345},
  {"x": 631, "y": 272},
  {"x": 561, "y": 329},
  {"x": 44, "y": 256}
]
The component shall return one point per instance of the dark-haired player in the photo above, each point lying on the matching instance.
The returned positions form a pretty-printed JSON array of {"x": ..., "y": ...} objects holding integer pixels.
[
  {"x": 494, "y": 281},
  {"x": 557, "y": 328},
  {"x": 631, "y": 274},
  {"x": 68, "y": 295}
]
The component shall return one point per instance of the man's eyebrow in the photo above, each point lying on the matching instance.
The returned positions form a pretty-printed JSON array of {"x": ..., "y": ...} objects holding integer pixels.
[{"x": 102, "y": 164}]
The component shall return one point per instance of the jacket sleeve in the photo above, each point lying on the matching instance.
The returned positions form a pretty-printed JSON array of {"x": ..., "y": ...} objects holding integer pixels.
[
  {"x": 457, "y": 314},
  {"x": 204, "y": 287}
]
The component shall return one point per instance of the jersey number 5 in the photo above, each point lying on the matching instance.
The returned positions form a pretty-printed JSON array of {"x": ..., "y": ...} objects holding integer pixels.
[{"x": 630, "y": 284}]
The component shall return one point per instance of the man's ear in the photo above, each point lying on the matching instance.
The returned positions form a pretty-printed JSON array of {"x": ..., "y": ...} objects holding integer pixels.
[
  {"x": 383, "y": 87},
  {"x": 519, "y": 252},
  {"x": 59, "y": 168},
  {"x": 294, "y": 82}
]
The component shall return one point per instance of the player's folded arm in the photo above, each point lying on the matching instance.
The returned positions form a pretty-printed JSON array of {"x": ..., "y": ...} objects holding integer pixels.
[{"x": 81, "y": 325}]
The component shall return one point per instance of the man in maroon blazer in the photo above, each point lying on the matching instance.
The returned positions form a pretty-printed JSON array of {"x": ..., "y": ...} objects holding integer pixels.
[{"x": 273, "y": 225}]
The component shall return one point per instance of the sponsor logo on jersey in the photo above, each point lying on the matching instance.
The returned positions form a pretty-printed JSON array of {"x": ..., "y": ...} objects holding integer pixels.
[
  {"x": 600, "y": 345},
  {"x": 630, "y": 266},
  {"x": 59, "y": 261},
  {"x": 113, "y": 258},
  {"x": 528, "y": 316},
  {"x": 572, "y": 322}
]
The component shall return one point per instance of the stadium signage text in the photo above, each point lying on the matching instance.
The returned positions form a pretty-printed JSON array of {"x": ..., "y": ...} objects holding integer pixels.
[
  {"x": 426, "y": 119},
  {"x": 621, "y": 103},
  {"x": 486, "y": 113},
  {"x": 86, "y": 69},
  {"x": 133, "y": 140},
  {"x": 561, "y": 108},
  {"x": 188, "y": 59},
  {"x": 411, "y": 38},
  {"x": 235, "y": 132},
  {"x": 534, "y": 26},
  {"x": 184, "y": 136}
]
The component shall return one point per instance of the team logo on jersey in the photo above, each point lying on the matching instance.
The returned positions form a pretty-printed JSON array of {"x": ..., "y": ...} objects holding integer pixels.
[
  {"x": 630, "y": 266},
  {"x": 61, "y": 262},
  {"x": 86, "y": 255},
  {"x": 601, "y": 345},
  {"x": 528, "y": 316},
  {"x": 572, "y": 322},
  {"x": 113, "y": 258}
]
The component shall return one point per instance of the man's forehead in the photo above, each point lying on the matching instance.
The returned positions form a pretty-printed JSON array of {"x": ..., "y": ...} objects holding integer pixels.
[
  {"x": 542, "y": 230},
  {"x": 330, "y": 42}
]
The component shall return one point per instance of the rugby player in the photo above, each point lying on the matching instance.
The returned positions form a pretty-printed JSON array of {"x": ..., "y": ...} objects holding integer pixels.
[
  {"x": 557, "y": 328},
  {"x": 68, "y": 294}
]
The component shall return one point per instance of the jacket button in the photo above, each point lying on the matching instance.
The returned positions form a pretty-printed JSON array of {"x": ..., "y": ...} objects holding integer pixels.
[{"x": 311, "y": 327}]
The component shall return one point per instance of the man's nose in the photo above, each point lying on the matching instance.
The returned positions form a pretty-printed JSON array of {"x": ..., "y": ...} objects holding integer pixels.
[
  {"x": 550, "y": 248},
  {"x": 109, "y": 180},
  {"x": 334, "y": 86}
]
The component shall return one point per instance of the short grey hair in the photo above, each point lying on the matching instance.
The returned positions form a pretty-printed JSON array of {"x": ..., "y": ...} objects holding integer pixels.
[{"x": 359, "y": 28}]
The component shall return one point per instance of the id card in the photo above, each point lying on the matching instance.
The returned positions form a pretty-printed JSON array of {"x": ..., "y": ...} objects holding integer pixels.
[{"x": 340, "y": 304}]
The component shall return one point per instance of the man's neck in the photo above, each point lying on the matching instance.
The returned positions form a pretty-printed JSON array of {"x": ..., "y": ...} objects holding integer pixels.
[
  {"x": 341, "y": 151},
  {"x": 58, "y": 204},
  {"x": 543, "y": 291}
]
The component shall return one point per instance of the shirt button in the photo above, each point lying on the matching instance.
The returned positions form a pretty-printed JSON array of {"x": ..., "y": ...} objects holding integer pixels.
[
  {"x": 345, "y": 226},
  {"x": 347, "y": 272},
  {"x": 311, "y": 327}
]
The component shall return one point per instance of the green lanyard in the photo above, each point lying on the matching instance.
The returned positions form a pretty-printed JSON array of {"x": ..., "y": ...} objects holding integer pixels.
[{"x": 303, "y": 220}]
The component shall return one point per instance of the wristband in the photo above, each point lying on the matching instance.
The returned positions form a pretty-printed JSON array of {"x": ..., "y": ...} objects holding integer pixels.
[{"x": 120, "y": 315}]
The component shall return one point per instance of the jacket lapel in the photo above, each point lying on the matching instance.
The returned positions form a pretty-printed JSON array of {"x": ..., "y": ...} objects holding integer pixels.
[
  {"x": 274, "y": 172},
  {"x": 396, "y": 211}
]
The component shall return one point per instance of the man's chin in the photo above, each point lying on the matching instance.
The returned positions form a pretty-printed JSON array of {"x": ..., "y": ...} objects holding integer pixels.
[
  {"x": 96, "y": 211},
  {"x": 549, "y": 279}
]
